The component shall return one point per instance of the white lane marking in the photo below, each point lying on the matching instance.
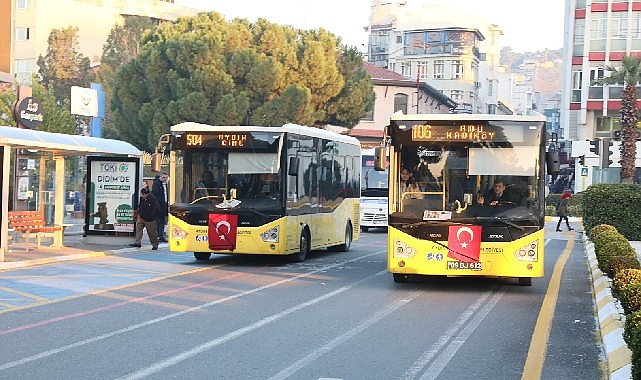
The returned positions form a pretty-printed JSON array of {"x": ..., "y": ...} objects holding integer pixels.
[
  {"x": 173, "y": 360},
  {"x": 427, "y": 356},
  {"x": 437, "y": 366},
  {"x": 285, "y": 373},
  {"x": 97, "y": 338}
]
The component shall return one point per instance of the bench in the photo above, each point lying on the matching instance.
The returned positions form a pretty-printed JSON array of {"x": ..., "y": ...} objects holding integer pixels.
[{"x": 30, "y": 222}]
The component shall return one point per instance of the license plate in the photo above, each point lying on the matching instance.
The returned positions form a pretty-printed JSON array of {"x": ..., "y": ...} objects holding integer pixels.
[{"x": 463, "y": 265}]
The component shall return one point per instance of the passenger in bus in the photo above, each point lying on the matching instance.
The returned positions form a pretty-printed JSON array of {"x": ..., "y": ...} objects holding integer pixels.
[
  {"x": 263, "y": 185},
  {"x": 407, "y": 185},
  {"x": 206, "y": 186}
]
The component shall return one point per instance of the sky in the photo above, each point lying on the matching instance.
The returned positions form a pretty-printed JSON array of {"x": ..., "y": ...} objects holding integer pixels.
[{"x": 527, "y": 26}]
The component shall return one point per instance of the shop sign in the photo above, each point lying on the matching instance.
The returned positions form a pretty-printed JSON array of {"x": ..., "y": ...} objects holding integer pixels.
[{"x": 28, "y": 113}]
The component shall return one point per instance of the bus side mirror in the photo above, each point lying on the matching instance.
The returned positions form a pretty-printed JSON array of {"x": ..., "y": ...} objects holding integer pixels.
[
  {"x": 380, "y": 159},
  {"x": 552, "y": 161},
  {"x": 293, "y": 166},
  {"x": 156, "y": 162}
]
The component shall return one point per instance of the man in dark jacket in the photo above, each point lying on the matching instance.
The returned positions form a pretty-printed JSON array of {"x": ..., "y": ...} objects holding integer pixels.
[
  {"x": 160, "y": 191},
  {"x": 147, "y": 213}
]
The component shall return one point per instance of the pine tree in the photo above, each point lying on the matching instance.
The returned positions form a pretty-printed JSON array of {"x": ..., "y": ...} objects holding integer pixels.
[{"x": 208, "y": 70}]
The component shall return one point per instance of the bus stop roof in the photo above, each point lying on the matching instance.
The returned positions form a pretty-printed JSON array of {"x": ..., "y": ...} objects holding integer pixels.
[{"x": 62, "y": 144}]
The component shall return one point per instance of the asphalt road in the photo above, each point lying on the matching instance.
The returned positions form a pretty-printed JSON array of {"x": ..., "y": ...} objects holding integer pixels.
[{"x": 335, "y": 316}]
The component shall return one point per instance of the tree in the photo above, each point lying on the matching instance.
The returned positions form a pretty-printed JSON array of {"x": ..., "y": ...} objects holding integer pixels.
[
  {"x": 63, "y": 66},
  {"x": 8, "y": 98},
  {"x": 57, "y": 116},
  {"x": 629, "y": 75},
  {"x": 205, "y": 69},
  {"x": 123, "y": 44}
]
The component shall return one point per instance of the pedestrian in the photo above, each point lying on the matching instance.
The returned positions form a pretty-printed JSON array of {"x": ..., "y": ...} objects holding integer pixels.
[
  {"x": 160, "y": 190},
  {"x": 147, "y": 212},
  {"x": 562, "y": 211}
]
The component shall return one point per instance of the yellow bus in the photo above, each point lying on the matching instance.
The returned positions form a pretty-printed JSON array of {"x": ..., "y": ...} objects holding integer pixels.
[
  {"x": 479, "y": 206},
  {"x": 282, "y": 190}
]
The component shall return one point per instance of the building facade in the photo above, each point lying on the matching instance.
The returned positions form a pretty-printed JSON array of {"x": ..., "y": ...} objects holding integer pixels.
[
  {"x": 455, "y": 52},
  {"x": 598, "y": 33},
  {"x": 25, "y": 26},
  {"x": 395, "y": 93}
]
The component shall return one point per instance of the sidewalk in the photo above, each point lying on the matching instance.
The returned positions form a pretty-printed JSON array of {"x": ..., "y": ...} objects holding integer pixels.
[{"x": 74, "y": 247}]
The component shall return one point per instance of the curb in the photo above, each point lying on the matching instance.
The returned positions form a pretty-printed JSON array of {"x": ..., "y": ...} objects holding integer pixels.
[{"x": 611, "y": 320}]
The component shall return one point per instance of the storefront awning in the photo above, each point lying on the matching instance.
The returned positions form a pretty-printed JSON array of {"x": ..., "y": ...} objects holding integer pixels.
[{"x": 62, "y": 144}]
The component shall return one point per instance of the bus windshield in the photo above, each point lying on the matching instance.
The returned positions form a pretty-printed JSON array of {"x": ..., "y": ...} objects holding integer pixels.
[
  {"x": 247, "y": 169},
  {"x": 487, "y": 174},
  {"x": 373, "y": 182}
]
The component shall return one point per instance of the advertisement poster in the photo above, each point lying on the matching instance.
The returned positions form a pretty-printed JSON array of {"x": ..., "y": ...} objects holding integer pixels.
[{"x": 111, "y": 190}]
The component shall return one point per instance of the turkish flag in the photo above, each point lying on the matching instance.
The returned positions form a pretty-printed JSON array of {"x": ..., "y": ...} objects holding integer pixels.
[
  {"x": 464, "y": 243},
  {"x": 222, "y": 231}
]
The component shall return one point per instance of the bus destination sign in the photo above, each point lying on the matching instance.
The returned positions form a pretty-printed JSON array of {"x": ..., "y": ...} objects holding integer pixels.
[
  {"x": 463, "y": 132},
  {"x": 215, "y": 140}
]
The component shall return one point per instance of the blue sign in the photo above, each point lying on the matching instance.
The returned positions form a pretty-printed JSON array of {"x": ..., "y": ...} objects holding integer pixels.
[{"x": 584, "y": 172}]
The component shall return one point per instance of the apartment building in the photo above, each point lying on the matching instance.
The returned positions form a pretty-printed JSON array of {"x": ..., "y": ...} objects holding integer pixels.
[
  {"x": 456, "y": 52},
  {"x": 598, "y": 33},
  {"x": 25, "y": 26}
]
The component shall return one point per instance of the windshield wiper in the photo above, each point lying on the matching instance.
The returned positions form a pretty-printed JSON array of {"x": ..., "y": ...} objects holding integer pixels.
[{"x": 502, "y": 220}]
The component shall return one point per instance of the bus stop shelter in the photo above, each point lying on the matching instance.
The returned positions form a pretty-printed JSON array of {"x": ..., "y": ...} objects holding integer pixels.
[{"x": 59, "y": 147}]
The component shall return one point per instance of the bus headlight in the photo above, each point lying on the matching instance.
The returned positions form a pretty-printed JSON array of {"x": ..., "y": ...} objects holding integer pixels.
[
  {"x": 529, "y": 252},
  {"x": 271, "y": 235},
  {"x": 178, "y": 233}
]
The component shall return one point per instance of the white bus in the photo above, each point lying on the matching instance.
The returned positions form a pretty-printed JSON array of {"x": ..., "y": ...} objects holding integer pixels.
[{"x": 374, "y": 193}]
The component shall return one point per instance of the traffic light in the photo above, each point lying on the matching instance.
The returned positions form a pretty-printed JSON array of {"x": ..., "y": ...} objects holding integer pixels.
[
  {"x": 594, "y": 146},
  {"x": 582, "y": 160},
  {"x": 607, "y": 152}
]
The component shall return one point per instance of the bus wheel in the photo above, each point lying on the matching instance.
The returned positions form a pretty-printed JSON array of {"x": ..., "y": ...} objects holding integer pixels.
[
  {"x": 364, "y": 229},
  {"x": 400, "y": 278},
  {"x": 348, "y": 241},
  {"x": 525, "y": 281},
  {"x": 202, "y": 255},
  {"x": 305, "y": 247}
]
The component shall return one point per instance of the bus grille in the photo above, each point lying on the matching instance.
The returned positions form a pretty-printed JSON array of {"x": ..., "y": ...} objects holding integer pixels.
[{"x": 372, "y": 217}]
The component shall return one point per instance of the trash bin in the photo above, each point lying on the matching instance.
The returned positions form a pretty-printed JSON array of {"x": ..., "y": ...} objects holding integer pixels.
[{"x": 48, "y": 206}]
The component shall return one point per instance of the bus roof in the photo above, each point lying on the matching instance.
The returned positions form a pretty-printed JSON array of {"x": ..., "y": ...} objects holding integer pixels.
[
  {"x": 466, "y": 116},
  {"x": 292, "y": 128}
]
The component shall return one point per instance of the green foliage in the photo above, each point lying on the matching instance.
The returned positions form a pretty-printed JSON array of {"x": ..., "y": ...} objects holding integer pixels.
[
  {"x": 63, "y": 66},
  {"x": 613, "y": 245},
  {"x": 635, "y": 347},
  {"x": 618, "y": 263},
  {"x": 632, "y": 336},
  {"x": 618, "y": 205},
  {"x": 594, "y": 233},
  {"x": 632, "y": 325},
  {"x": 8, "y": 97},
  {"x": 123, "y": 44},
  {"x": 208, "y": 70},
  {"x": 56, "y": 118},
  {"x": 609, "y": 243},
  {"x": 630, "y": 298},
  {"x": 624, "y": 278}
]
